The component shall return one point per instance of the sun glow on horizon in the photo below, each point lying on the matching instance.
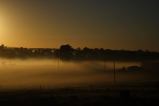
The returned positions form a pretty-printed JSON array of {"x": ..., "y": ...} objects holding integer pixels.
[
  {"x": 4, "y": 35},
  {"x": 3, "y": 26}
]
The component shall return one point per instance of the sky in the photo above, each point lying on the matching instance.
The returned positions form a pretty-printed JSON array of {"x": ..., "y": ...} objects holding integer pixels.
[{"x": 110, "y": 24}]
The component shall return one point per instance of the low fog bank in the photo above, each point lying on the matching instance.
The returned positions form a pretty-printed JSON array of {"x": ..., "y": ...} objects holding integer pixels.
[{"x": 52, "y": 73}]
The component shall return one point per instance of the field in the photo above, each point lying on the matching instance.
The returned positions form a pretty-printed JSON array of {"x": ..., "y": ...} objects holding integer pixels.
[{"x": 93, "y": 96}]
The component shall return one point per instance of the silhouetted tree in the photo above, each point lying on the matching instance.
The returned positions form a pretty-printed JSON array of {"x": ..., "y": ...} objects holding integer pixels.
[
  {"x": 66, "y": 51},
  {"x": 2, "y": 46}
]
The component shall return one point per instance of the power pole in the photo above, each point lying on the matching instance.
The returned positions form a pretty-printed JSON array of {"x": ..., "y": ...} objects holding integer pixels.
[{"x": 114, "y": 79}]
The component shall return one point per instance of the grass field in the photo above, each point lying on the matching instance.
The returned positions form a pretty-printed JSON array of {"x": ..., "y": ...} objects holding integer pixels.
[{"x": 93, "y": 96}]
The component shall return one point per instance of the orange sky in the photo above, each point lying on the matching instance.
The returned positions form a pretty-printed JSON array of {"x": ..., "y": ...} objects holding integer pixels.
[{"x": 31, "y": 23}]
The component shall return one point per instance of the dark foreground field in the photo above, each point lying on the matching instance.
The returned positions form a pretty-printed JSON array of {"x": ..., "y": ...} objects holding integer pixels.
[{"x": 88, "y": 96}]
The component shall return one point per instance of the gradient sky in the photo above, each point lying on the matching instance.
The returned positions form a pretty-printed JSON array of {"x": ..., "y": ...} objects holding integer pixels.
[{"x": 113, "y": 24}]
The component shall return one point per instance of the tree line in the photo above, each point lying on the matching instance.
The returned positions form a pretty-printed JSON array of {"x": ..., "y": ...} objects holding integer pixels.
[{"x": 67, "y": 52}]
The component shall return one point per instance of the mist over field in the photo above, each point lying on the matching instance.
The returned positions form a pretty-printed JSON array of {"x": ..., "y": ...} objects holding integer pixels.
[{"x": 54, "y": 73}]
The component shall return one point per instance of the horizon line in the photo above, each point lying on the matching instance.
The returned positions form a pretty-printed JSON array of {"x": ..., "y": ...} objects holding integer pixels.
[{"x": 144, "y": 50}]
